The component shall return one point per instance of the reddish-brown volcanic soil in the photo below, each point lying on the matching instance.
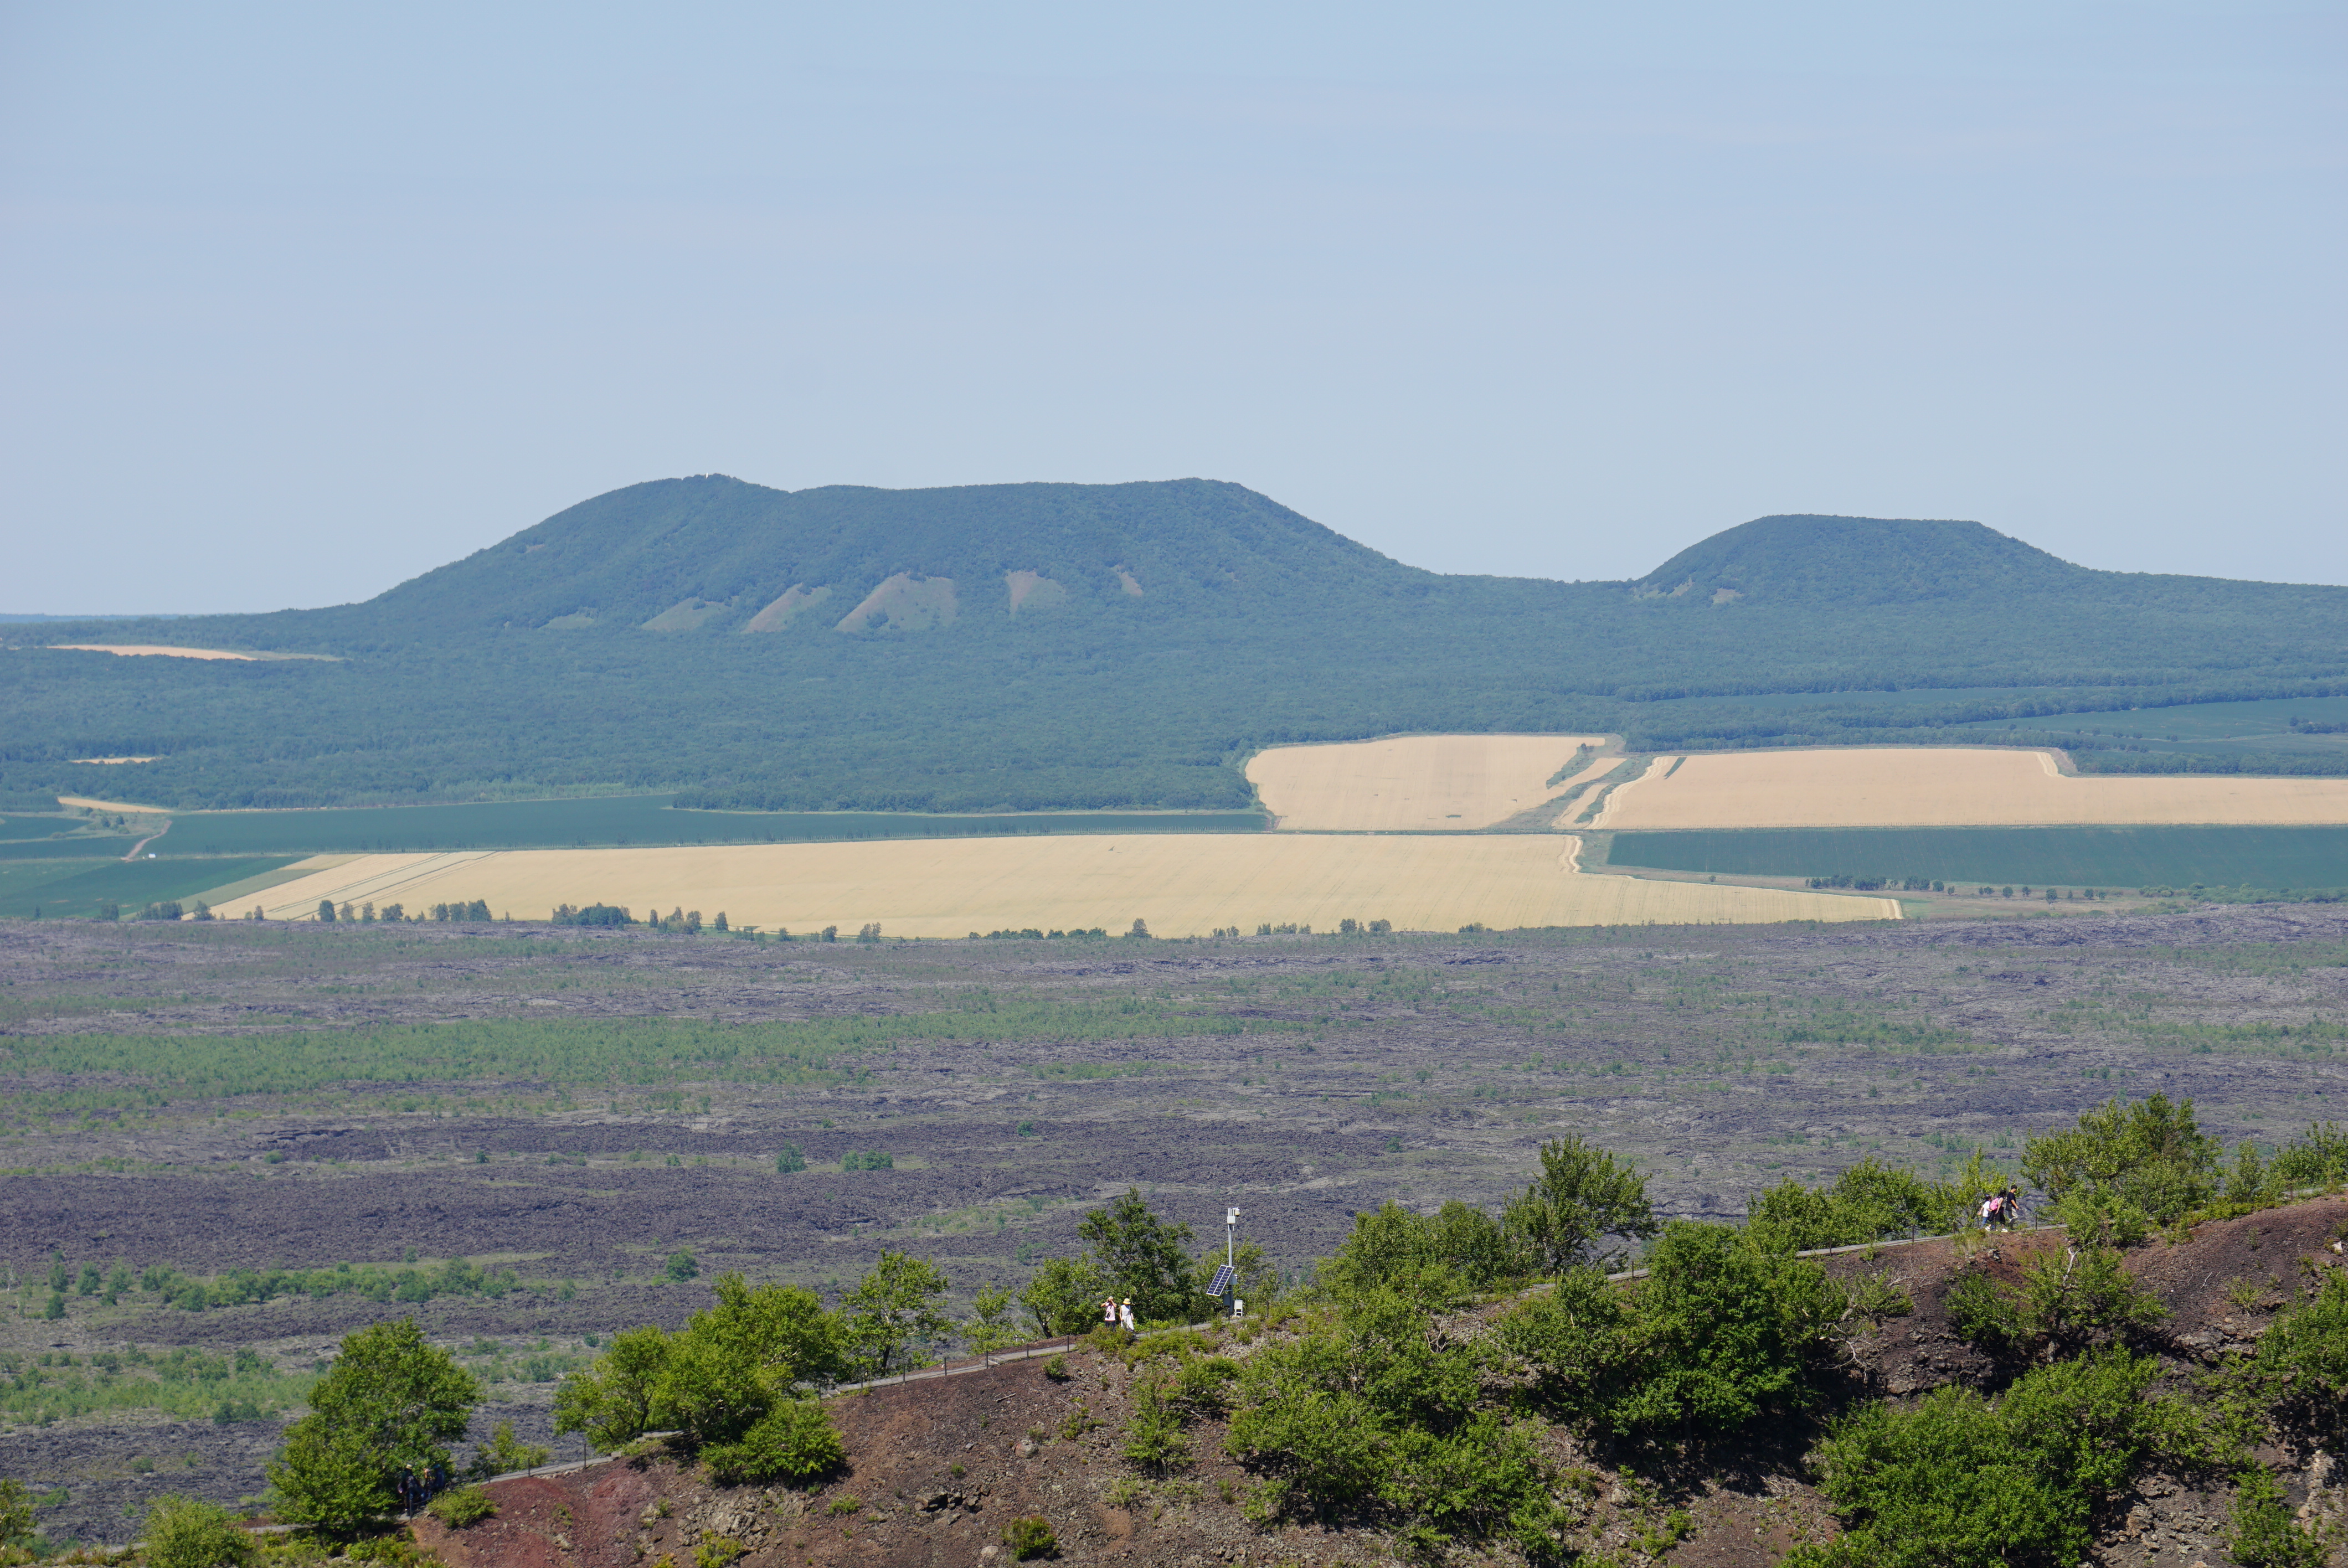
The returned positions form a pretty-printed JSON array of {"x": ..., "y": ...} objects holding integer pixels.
[{"x": 938, "y": 1467}]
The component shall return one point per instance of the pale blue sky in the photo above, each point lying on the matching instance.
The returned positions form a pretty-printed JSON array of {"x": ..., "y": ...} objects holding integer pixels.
[{"x": 301, "y": 300}]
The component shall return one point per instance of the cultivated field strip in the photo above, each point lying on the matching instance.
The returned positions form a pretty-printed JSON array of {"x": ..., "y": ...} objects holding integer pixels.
[
  {"x": 1936, "y": 786},
  {"x": 1181, "y": 886},
  {"x": 1412, "y": 783},
  {"x": 354, "y": 878}
]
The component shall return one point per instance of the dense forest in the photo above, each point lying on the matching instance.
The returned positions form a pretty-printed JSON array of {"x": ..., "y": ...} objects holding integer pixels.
[{"x": 1034, "y": 647}]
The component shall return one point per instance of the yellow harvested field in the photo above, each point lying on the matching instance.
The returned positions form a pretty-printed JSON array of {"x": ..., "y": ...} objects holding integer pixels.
[
  {"x": 133, "y": 648},
  {"x": 90, "y": 803},
  {"x": 1934, "y": 786},
  {"x": 1182, "y": 883},
  {"x": 1412, "y": 783}
]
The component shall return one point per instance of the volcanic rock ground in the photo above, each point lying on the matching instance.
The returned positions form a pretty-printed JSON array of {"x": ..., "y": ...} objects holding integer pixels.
[{"x": 1324, "y": 1075}]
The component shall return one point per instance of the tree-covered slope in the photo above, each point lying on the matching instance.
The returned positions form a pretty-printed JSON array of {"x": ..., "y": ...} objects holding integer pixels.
[
  {"x": 848, "y": 646},
  {"x": 727, "y": 550},
  {"x": 1844, "y": 562}
]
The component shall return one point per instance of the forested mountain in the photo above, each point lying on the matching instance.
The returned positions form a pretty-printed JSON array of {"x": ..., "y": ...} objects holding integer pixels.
[{"x": 1030, "y": 646}]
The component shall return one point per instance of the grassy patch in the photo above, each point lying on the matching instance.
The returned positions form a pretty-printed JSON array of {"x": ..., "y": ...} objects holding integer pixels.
[
  {"x": 631, "y": 1051},
  {"x": 184, "y": 1382}
]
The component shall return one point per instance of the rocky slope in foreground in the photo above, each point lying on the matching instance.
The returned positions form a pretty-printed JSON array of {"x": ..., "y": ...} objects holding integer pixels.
[{"x": 938, "y": 1467}]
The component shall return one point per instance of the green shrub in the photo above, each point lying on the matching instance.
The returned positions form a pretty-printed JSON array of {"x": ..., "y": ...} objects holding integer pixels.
[
  {"x": 714, "y": 1379},
  {"x": 1056, "y": 1369},
  {"x": 681, "y": 1265},
  {"x": 1203, "y": 1384},
  {"x": 182, "y": 1533},
  {"x": 504, "y": 1453},
  {"x": 2301, "y": 1369},
  {"x": 867, "y": 1160},
  {"x": 894, "y": 1314},
  {"x": 717, "y": 1550},
  {"x": 1724, "y": 1330},
  {"x": 794, "y": 1441},
  {"x": 2317, "y": 1158},
  {"x": 1955, "y": 1481},
  {"x": 2152, "y": 1155},
  {"x": 2096, "y": 1216},
  {"x": 2065, "y": 1303},
  {"x": 1030, "y": 1535},
  {"x": 1869, "y": 1201},
  {"x": 17, "y": 1512},
  {"x": 789, "y": 1159},
  {"x": 2263, "y": 1533},
  {"x": 1154, "y": 1440},
  {"x": 1377, "y": 1413},
  {"x": 462, "y": 1506},
  {"x": 1441, "y": 1259},
  {"x": 991, "y": 1326},
  {"x": 1581, "y": 1197}
]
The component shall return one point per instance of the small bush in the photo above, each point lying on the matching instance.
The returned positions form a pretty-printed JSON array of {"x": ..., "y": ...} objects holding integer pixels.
[
  {"x": 789, "y": 1160},
  {"x": 504, "y": 1453},
  {"x": 463, "y": 1506},
  {"x": 1056, "y": 1369},
  {"x": 1030, "y": 1536},
  {"x": 2318, "y": 1158},
  {"x": 681, "y": 1265},
  {"x": 1154, "y": 1440},
  {"x": 867, "y": 1160},
  {"x": 844, "y": 1505},
  {"x": 717, "y": 1550},
  {"x": 2080, "y": 1297},
  {"x": 2301, "y": 1365},
  {"x": 794, "y": 1441},
  {"x": 2263, "y": 1533},
  {"x": 1080, "y": 1420},
  {"x": 182, "y": 1533}
]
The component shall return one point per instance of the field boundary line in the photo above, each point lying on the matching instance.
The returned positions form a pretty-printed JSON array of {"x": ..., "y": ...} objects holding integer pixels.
[{"x": 376, "y": 885}]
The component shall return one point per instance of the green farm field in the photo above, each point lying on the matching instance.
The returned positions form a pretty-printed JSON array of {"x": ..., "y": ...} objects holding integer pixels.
[
  {"x": 16, "y": 828},
  {"x": 88, "y": 846},
  {"x": 621, "y": 820},
  {"x": 2273, "y": 857},
  {"x": 74, "y": 889}
]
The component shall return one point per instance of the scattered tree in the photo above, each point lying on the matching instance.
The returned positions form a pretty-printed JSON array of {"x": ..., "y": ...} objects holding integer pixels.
[
  {"x": 992, "y": 1326},
  {"x": 1581, "y": 1197},
  {"x": 894, "y": 1313},
  {"x": 1144, "y": 1259},
  {"x": 389, "y": 1405}
]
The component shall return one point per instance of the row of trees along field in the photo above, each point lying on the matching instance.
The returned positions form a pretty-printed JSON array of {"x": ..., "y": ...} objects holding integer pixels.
[{"x": 1404, "y": 1385}]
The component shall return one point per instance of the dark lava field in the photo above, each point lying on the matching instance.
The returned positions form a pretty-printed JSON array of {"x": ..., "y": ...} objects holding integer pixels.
[{"x": 570, "y": 1110}]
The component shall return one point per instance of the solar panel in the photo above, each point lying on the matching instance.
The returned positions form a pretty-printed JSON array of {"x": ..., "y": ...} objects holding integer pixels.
[{"x": 1224, "y": 1277}]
